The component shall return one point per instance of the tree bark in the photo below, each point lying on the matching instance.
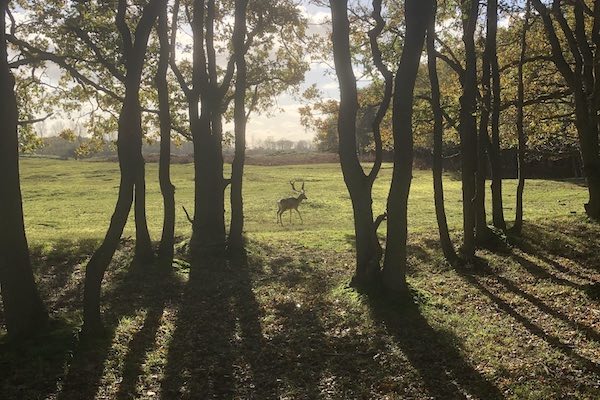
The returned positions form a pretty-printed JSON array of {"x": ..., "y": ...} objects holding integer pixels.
[
  {"x": 131, "y": 164},
  {"x": 236, "y": 240},
  {"x": 468, "y": 126},
  {"x": 482, "y": 232},
  {"x": 23, "y": 308},
  {"x": 209, "y": 213},
  {"x": 167, "y": 242},
  {"x": 417, "y": 14},
  {"x": 143, "y": 245},
  {"x": 485, "y": 146},
  {"x": 208, "y": 233},
  {"x": 438, "y": 132},
  {"x": 518, "y": 226},
  {"x": 368, "y": 251},
  {"x": 494, "y": 146}
]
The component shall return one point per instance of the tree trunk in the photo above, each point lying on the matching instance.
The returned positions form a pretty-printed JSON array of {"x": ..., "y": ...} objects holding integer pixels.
[
  {"x": 368, "y": 251},
  {"x": 494, "y": 146},
  {"x": 518, "y": 226},
  {"x": 131, "y": 164},
  {"x": 94, "y": 272},
  {"x": 417, "y": 14},
  {"x": 438, "y": 132},
  {"x": 587, "y": 128},
  {"x": 143, "y": 245},
  {"x": 23, "y": 308},
  {"x": 209, "y": 214},
  {"x": 236, "y": 240},
  {"x": 482, "y": 232},
  {"x": 468, "y": 127},
  {"x": 127, "y": 143},
  {"x": 582, "y": 78},
  {"x": 167, "y": 189},
  {"x": 207, "y": 133}
]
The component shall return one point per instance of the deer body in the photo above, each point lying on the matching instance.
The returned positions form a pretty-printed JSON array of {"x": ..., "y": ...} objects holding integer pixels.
[{"x": 290, "y": 203}]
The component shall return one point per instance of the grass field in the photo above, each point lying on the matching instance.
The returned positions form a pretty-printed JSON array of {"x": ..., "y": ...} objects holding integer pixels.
[
  {"x": 73, "y": 200},
  {"x": 524, "y": 323}
]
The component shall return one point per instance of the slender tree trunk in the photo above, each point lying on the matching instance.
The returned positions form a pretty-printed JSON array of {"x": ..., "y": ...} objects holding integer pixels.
[
  {"x": 368, "y": 252},
  {"x": 236, "y": 240},
  {"x": 438, "y": 132},
  {"x": 417, "y": 14},
  {"x": 94, "y": 272},
  {"x": 468, "y": 126},
  {"x": 482, "y": 232},
  {"x": 494, "y": 147},
  {"x": 131, "y": 164},
  {"x": 23, "y": 308},
  {"x": 129, "y": 119},
  {"x": 167, "y": 189},
  {"x": 143, "y": 245},
  {"x": 518, "y": 226},
  {"x": 485, "y": 147}
]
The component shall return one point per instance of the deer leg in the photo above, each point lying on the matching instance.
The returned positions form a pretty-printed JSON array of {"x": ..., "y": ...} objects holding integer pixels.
[
  {"x": 300, "y": 215},
  {"x": 290, "y": 215}
]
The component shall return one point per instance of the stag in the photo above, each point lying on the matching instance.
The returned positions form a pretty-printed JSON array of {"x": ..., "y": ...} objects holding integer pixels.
[{"x": 291, "y": 203}]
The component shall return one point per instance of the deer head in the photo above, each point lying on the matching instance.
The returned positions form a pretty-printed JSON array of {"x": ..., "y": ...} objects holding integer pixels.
[{"x": 300, "y": 192}]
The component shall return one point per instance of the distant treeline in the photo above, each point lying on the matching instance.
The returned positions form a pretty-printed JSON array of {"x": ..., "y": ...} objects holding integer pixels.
[{"x": 82, "y": 147}]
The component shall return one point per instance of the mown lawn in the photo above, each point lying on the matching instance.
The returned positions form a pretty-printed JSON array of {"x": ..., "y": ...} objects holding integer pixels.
[{"x": 524, "y": 323}]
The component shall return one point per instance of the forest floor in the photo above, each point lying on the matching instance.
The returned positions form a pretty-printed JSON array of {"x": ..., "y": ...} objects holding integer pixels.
[{"x": 282, "y": 323}]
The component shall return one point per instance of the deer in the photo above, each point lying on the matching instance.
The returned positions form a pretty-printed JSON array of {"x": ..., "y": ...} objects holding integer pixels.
[{"x": 291, "y": 203}]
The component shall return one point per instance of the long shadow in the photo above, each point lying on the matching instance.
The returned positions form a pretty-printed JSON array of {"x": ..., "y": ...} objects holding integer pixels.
[
  {"x": 158, "y": 288},
  {"x": 589, "y": 332},
  {"x": 552, "y": 340},
  {"x": 444, "y": 371},
  {"x": 217, "y": 349},
  {"x": 540, "y": 272},
  {"x": 573, "y": 241},
  {"x": 136, "y": 287},
  {"x": 256, "y": 351},
  {"x": 561, "y": 268}
]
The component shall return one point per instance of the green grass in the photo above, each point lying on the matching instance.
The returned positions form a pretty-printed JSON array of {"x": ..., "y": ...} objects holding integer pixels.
[
  {"x": 74, "y": 199},
  {"x": 523, "y": 323}
]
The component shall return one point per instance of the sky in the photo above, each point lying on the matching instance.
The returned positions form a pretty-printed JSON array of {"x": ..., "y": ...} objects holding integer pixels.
[
  {"x": 282, "y": 123},
  {"x": 286, "y": 123}
]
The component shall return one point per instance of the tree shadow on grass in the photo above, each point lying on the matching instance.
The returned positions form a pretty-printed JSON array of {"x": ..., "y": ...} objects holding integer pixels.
[
  {"x": 443, "y": 369},
  {"x": 137, "y": 288},
  {"x": 540, "y": 272},
  {"x": 551, "y": 339},
  {"x": 218, "y": 349},
  {"x": 572, "y": 239},
  {"x": 569, "y": 250}
]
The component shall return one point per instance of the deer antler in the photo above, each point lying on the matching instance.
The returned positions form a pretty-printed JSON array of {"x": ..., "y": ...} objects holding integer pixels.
[
  {"x": 302, "y": 186},
  {"x": 293, "y": 186}
]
